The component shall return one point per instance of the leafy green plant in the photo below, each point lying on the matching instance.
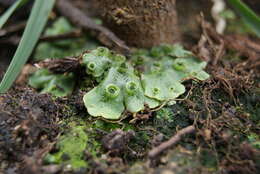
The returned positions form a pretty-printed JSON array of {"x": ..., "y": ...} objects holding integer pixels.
[
  {"x": 123, "y": 88},
  {"x": 57, "y": 84},
  {"x": 99, "y": 60},
  {"x": 62, "y": 48},
  {"x": 248, "y": 16},
  {"x": 34, "y": 27},
  {"x": 120, "y": 89}
]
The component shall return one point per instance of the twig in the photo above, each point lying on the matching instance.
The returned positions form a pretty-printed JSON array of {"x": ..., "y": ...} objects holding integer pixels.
[
  {"x": 167, "y": 144},
  {"x": 69, "y": 35},
  {"x": 11, "y": 40},
  {"x": 14, "y": 39},
  {"x": 12, "y": 28},
  {"x": 78, "y": 18},
  {"x": 68, "y": 64}
]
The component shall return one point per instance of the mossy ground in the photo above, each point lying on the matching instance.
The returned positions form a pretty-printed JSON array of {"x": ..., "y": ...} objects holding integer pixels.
[
  {"x": 214, "y": 148},
  {"x": 227, "y": 129},
  {"x": 72, "y": 145},
  {"x": 226, "y": 133},
  {"x": 226, "y": 138}
]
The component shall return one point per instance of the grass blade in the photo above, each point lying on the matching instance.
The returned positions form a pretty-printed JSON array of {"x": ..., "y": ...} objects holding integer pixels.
[
  {"x": 10, "y": 11},
  {"x": 34, "y": 27},
  {"x": 248, "y": 16}
]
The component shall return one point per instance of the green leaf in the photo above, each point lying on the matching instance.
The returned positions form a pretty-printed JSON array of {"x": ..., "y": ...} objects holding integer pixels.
[
  {"x": 99, "y": 60},
  {"x": 57, "y": 84},
  {"x": 34, "y": 27},
  {"x": 133, "y": 93},
  {"x": 179, "y": 51},
  {"x": 98, "y": 106},
  {"x": 178, "y": 69},
  {"x": 99, "y": 101},
  {"x": 161, "y": 86},
  {"x": 60, "y": 26},
  {"x": 152, "y": 103},
  {"x": 10, "y": 11},
  {"x": 62, "y": 48},
  {"x": 130, "y": 94},
  {"x": 169, "y": 50},
  {"x": 190, "y": 68},
  {"x": 247, "y": 15}
]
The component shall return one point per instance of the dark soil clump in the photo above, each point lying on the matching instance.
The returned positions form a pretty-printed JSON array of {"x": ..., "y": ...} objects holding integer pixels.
[{"x": 28, "y": 124}]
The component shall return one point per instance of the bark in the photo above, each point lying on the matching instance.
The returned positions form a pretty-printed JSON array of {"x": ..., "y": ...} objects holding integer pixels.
[{"x": 141, "y": 23}]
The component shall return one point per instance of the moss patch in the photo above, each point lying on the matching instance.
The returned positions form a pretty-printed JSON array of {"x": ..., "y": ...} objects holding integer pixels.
[{"x": 72, "y": 145}]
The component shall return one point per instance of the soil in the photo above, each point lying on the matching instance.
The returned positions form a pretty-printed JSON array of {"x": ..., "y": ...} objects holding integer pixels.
[{"x": 40, "y": 133}]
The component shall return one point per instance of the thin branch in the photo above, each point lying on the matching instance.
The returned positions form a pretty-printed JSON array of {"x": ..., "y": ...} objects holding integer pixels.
[
  {"x": 171, "y": 142},
  {"x": 69, "y": 35},
  {"x": 68, "y": 64},
  {"x": 12, "y": 28}
]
